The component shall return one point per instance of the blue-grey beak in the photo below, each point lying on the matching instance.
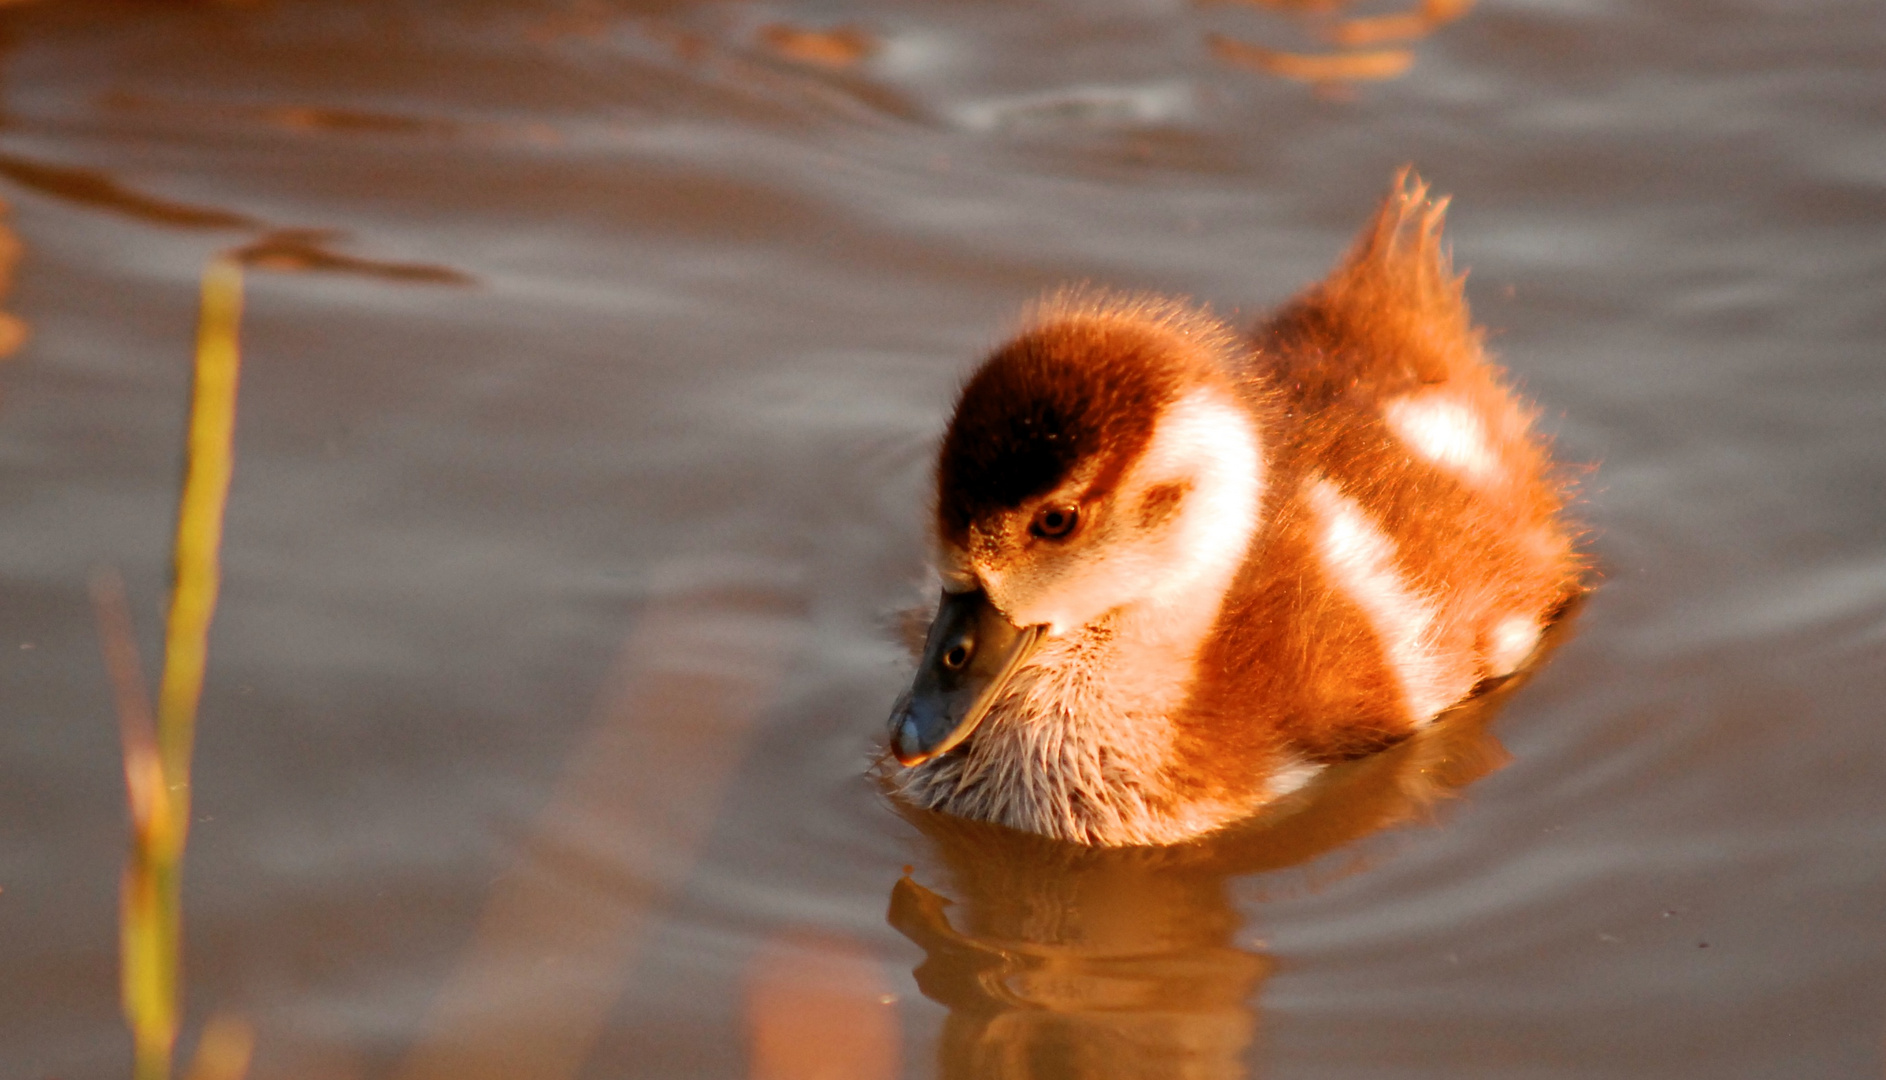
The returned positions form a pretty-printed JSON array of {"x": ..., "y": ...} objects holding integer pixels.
[{"x": 970, "y": 655}]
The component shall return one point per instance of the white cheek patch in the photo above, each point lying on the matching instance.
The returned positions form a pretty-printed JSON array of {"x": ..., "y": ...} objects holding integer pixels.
[
  {"x": 1446, "y": 432},
  {"x": 1360, "y": 559},
  {"x": 1207, "y": 443}
]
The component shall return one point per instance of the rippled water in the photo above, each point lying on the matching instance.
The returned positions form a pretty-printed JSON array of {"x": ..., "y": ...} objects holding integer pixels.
[{"x": 594, "y": 356}]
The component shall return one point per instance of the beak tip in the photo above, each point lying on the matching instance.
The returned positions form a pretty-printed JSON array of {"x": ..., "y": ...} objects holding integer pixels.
[
  {"x": 949, "y": 697},
  {"x": 906, "y": 745}
]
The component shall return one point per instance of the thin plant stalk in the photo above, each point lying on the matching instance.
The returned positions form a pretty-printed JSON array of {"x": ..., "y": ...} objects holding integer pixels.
[
  {"x": 157, "y": 761},
  {"x": 209, "y": 460}
]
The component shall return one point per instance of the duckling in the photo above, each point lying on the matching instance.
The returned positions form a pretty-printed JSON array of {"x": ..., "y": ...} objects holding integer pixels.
[{"x": 1185, "y": 569}]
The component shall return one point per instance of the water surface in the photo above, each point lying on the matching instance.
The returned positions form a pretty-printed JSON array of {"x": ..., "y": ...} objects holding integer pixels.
[{"x": 595, "y": 353}]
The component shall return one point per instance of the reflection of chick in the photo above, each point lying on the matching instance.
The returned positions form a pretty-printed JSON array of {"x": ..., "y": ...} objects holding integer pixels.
[
  {"x": 1115, "y": 966},
  {"x": 1064, "y": 960},
  {"x": 1184, "y": 570}
]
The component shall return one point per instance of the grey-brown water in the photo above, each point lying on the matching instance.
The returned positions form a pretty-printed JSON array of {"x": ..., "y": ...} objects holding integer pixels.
[{"x": 594, "y": 357}]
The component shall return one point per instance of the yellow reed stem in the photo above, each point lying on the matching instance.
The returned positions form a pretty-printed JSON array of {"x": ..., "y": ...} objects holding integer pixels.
[
  {"x": 157, "y": 763},
  {"x": 208, "y": 462}
]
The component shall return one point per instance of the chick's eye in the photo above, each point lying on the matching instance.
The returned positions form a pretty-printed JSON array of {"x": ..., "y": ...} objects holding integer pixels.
[{"x": 1054, "y": 522}]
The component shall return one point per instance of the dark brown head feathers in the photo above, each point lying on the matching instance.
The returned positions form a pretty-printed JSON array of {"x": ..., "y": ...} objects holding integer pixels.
[{"x": 1085, "y": 381}]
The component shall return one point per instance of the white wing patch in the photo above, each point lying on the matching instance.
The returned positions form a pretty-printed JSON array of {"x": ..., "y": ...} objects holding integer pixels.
[
  {"x": 1512, "y": 641},
  {"x": 1446, "y": 432},
  {"x": 1360, "y": 559},
  {"x": 1292, "y": 775}
]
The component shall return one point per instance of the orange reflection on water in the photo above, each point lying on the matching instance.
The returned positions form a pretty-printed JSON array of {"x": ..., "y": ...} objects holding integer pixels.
[
  {"x": 13, "y": 329},
  {"x": 1373, "y": 65},
  {"x": 1401, "y": 26},
  {"x": 1117, "y": 964},
  {"x": 1358, "y": 56},
  {"x": 224, "y": 1050},
  {"x": 819, "y": 1008},
  {"x": 838, "y": 47},
  {"x": 560, "y": 932}
]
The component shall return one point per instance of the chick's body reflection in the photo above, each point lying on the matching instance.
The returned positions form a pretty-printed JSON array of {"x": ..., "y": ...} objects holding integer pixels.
[
  {"x": 1061, "y": 960},
  {"x": 1086, "y": 967}
]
